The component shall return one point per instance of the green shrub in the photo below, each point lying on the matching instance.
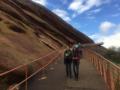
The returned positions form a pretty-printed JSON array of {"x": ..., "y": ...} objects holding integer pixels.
[{"x": 113, "y": 54}]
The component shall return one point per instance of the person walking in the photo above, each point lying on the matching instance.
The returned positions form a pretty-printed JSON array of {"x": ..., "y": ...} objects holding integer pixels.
[
  {"x": 68, "y": 62},
  {"x": 77, "y": 55}
]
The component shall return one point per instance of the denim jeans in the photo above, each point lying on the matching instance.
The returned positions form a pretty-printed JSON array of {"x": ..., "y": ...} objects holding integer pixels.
[
  {"x": 76, "y": 69},
  {"x": 68, "y": 70}
]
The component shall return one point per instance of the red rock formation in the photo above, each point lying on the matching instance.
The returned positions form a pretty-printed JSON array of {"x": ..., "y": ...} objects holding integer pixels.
[{"x": 29, "y": 30}]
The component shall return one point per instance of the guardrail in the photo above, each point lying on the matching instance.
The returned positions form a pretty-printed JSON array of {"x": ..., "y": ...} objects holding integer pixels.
[
  {"x": 49, "y": 59},
  {"x": 108, "y": 70}
]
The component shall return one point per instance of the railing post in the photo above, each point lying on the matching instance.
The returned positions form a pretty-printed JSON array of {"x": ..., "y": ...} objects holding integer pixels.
[
  {"x": 99, "y": 65},
  {"x": 102, "y": 67},
  {"x": 109, "y": 78},
  {"x": 26, "y": 75},
  {"x": 117, "y": 82},
  {"x": 107, "y": 69}
]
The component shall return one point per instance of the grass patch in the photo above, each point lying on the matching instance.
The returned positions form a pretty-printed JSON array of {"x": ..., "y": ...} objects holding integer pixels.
[{"x": 113, "y": 54}]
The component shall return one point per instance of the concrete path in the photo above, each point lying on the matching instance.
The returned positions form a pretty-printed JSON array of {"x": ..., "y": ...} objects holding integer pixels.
[
  {"x": 89, "y": 79},
  {"x": 54, "y": 78},
  {"x": 51, "y": 79}
]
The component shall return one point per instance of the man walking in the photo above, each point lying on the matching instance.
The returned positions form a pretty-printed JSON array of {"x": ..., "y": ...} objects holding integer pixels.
[{"x": 77, "y": 55}]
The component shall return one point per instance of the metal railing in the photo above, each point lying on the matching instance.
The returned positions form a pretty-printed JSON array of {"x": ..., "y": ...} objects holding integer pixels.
[
  {"x": 108, "y": 70},
  {"x": 45, "y": 60}
]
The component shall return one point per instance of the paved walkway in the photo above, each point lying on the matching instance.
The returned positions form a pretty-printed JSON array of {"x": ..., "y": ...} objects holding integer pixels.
[
  {"x": 89, "y": 79},
  {"x": 54, "y": 78}
]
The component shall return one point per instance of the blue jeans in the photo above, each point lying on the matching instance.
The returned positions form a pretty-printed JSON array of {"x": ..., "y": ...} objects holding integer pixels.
[
  {"x": 76, "y": 69},
  {"x": 68, "y": 70}
]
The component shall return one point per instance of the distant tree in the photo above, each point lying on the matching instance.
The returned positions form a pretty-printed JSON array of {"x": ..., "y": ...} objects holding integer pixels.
[
  {"x": 113, "y": 54},
  {"x": 119, "y": 49}
]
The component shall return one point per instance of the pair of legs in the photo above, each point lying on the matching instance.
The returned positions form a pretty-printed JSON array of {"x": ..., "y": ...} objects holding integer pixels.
[
  {"x": 68, "y": 70},
  {"x": 76, "y": 69}
]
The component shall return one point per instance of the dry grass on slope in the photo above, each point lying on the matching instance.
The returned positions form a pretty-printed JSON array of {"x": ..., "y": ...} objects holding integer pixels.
[{"x": 18, "y": 47}]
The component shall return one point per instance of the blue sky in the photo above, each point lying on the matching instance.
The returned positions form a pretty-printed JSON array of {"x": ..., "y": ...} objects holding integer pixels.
[{"x": 99, "y": 19}]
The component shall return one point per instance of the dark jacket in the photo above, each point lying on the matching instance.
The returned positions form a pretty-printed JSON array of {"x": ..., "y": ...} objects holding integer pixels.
[
  {"x": 67, "y": 56},
  {"x": 77, "y": 54}
]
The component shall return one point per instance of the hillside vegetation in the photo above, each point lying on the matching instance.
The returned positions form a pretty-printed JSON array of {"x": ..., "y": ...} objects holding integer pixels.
[{"x": 113, "y": 54}]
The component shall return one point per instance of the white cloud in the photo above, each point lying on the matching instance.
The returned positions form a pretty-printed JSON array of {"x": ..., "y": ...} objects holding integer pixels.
[
  {"x": 95, "y": 10},
  {"x": 91, "y": 14},
  {"x": 42, "y": 2},
  {"x": 74, "y": 15},
  {"x": 90, "y": 17},
  {"x": 80, "y": 6},
  {"x": 112, "y": 40},
  {"x": 115, "y": 15},
  {"x": 106, "y": 25},
  {"x": 94, "y": 36},
  {"x": 63, "y": 14},
  {"x": 108, "y": 39}
]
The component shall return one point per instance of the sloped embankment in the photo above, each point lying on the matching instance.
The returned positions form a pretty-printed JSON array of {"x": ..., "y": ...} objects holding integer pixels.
[
  {"x": 29, "y": 31},
  {"x": 20, "y": 41}
]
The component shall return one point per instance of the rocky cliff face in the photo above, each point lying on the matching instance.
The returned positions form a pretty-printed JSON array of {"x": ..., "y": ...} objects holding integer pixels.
[{"x": 29, "y": 31}]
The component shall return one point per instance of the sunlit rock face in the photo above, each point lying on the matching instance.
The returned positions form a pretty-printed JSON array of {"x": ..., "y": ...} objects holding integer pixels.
[{"x": 29, "y": 31}]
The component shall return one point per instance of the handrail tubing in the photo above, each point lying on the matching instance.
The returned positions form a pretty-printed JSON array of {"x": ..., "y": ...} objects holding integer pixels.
[
  {"x": 106, "y": 59},
  {"x": 20, "y": 66},
  {"x": 42, "y": 68},
  {"x": 108, "y": 70}
]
